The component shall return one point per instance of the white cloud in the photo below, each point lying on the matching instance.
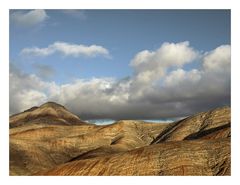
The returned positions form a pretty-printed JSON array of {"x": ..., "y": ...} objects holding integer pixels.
[
  {"x": 151, "y": 65},
  {"x": 27, "y": 97},
  {"x": 218, "y": 60},
  {"x": 29, "y": 18},
  {"x": 67, "y": 49},
  {"x": 142, "y": 57},
  {"x": 27, "y": 90},
  {"x": 147, "y": 94},
  {"x": 179, "y": 76},
  {"x": 168, "y": 55},
  {"x": 35, "y": 51}
]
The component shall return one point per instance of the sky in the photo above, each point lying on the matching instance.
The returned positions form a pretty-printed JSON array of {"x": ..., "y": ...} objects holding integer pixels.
[{"x": 121, "y": 64}]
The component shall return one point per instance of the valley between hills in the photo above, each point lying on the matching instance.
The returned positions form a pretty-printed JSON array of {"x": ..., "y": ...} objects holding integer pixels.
[{"x": 49, "y": 140}]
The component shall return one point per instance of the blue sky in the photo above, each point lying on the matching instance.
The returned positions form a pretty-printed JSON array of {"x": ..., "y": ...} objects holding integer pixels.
[
  {"x": 119, "y": 36},
  {"x": 123, "y": 32}
]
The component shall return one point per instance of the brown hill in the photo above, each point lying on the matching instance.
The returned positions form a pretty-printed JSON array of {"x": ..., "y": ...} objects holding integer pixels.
[
  {"x": 48, "y": 113},
  {"x": 38, "y": 147},
  {"x": 197, "y": 126},
  {"x": 211, "y": 157},
  {"x": 197, "y": 145}
]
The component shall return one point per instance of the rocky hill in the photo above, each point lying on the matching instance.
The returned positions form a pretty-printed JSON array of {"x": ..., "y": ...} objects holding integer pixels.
[
  {"x": 48, "y": 113},
  {"x": 49, "y": 140},
  {"x": 198, "y": 126},
  {"x": 198, "y": 157}
]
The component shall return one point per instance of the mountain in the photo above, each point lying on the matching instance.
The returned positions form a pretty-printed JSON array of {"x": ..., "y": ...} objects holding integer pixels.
[
  {"x": 196, "y": 145},
  {"x": 48, "y": 113},
  {"x": 198, "y": 126},
  {"x": 40, "y": 147}
]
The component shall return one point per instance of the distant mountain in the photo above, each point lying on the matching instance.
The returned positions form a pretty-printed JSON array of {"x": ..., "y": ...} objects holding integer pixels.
[
  {"x": 48, "y": 113},
  {"x": 49, "y": 140}
]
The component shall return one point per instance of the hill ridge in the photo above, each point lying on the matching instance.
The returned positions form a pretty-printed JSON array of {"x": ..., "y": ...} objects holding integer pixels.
[
  {"x": 48, "y": 113},
  {"x": 197, "y": 145}
]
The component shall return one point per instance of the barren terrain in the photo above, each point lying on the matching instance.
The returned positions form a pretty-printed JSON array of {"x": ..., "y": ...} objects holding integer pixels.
[{"x": 50, "y": 140}]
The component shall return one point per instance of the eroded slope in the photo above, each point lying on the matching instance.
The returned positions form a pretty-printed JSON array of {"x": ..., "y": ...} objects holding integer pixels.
[{"x": 50, "y": 140}]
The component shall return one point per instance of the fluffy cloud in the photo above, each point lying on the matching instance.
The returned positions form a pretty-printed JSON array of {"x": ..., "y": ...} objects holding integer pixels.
[
  {"x": 179, "y": 76},
  {"x": 152, "y": 65},
  {"x": 25, "y": 90},
  {"x": 169, "y": 54},
  {"x": 29, "y": 18},
  {"x": 159, "y": 88},
  {"x": 67, "y": 49},
  {"x": 218, "y": 60}
]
